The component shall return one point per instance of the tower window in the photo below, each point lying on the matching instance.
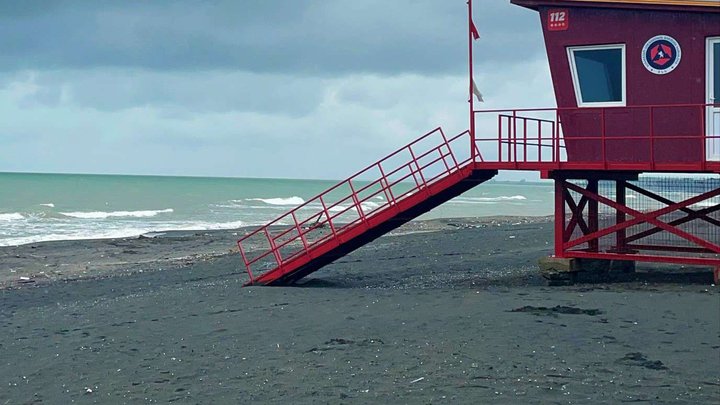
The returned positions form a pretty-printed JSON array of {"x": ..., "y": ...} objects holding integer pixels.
[{"x": 598, "y": 75}]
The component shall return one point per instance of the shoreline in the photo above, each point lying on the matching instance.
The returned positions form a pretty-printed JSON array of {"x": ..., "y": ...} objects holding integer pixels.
[{"x": 66, "y": 260}]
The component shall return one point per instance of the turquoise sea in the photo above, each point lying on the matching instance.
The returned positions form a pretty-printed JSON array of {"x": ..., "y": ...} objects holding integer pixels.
[{"x": 43, "y": 207}]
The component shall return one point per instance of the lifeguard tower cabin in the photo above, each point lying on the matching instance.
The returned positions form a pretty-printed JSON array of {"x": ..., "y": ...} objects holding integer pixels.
[
  {"x": 636, "y": 83},
  {"x": 654, "y": 61}
]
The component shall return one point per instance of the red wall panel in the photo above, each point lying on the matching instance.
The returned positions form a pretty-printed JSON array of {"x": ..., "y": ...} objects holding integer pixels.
[{"x": 684, "y": 85}]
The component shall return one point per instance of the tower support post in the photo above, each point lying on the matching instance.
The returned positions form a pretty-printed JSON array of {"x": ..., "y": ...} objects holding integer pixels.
[{"x": 598, "y": 229}]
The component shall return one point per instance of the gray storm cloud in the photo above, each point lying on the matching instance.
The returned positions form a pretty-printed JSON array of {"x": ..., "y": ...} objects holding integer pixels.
[
  {"x": 294, "y": 37},
  {"x": 225, "y": 88}
]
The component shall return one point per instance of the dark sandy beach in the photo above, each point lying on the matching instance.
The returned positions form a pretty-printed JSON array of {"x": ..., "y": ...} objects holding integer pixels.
[{"x": 443, "y": 311}]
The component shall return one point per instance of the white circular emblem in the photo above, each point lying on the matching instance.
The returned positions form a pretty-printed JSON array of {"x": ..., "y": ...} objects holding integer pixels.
[{"x": 661, "y": 54}]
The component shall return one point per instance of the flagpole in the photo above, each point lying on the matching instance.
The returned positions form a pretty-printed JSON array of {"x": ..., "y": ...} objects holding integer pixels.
[{"x": 470, "y": 82}]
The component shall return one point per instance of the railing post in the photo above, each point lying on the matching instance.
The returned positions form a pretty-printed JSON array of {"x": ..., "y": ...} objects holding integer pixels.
[
  {"x": 327, "y": 216},
  {"x": 413, "y": 172},
  {"x": 511, "y": 144},
  {"x": 500, "y": 127},
  {"x": 299, "y": 230},
  {"x": 552, "y": 142},
  {"x": 274, "y": 248},
  {"x": 540, "y": 142},
  {"x": 386, "y": 187},
  {"x": 358, "y": 206},
  {"x": 443, "y": 155},
  {"x": 524, "y": 139},
  {"x": 419, "y": 170},
  {"x": 474, "y": 151},
  {"x": 247, "y": 265},
  {"x": 452, "y": 155}
]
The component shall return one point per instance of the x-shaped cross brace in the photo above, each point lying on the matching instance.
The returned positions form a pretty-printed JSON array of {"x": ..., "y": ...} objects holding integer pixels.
[{"x": 639, "y": 217}]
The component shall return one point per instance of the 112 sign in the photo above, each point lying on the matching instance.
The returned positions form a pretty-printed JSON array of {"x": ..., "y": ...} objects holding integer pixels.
[{"x": 558, "y": 20}]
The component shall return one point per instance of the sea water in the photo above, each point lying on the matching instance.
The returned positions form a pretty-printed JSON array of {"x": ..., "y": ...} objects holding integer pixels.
[{"x": 44, "y": 207}]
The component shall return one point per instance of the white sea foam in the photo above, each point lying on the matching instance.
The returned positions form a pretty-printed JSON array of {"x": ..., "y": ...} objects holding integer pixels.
[
  {"x": 125, "y": 232},
  {"x": 248, "y": 206},
  {"x": 51, "y": 205},
  {"x": 705, "y": 204},
  {"x": 154, "y": 234},
  {"x": 119, "y": 233},
  {"x": 295, "y": 200},
  {"x": 473, "y": 200},
  {"x": 104, "y": 214},
  {"x": 369, "y": 205},
  {"x": 15, "y": 216},
  {"x": 226, "y": 206},
  {"x": 205, "y": 226}
]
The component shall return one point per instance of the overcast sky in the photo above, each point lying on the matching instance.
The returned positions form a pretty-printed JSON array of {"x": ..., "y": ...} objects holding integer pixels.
[{"x": 249, "y": 88}]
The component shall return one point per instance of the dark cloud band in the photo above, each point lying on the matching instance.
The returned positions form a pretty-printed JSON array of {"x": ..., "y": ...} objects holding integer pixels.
[{"x": 312, "y": 37}]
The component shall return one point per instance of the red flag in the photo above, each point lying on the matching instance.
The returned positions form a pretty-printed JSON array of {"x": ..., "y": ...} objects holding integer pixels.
[{"x": 474, "y": 31}]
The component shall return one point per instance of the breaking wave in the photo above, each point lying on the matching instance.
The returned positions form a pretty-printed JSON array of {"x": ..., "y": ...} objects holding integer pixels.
[
  {"x": 337, "y": 208},
  {"x": 279, "y": 201},
  {"x": 122, "y": 232},
  {"x": 15, "y": 216},
  {"x": 472, "y": 200},
  {"x": 369, "y": 205},
  {"x": 114, "y": 214}
]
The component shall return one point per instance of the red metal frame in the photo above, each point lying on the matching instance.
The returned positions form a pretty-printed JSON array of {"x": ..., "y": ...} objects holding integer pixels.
[
  {"x": 471, "y": 100},
  {"x": 704, "y": 252},
  {"x": 330, "y": 218},
  {"x": 523, "y": 142},
  {"x": 527, "y": 142}
]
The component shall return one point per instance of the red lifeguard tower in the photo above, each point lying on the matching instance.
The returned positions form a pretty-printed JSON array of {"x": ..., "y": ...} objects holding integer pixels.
[{"x": 636, "y": 83}]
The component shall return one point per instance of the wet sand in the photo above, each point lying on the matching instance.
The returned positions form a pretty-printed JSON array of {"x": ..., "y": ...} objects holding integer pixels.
[{"x": 444, "y": 311}]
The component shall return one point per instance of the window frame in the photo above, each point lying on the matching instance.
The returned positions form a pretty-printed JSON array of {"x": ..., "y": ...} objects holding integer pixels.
[{"x": 576, "y": 80}]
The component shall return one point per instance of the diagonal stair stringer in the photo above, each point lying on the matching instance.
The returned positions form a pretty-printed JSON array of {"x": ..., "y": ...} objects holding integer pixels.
[
  {"x": 408, "y": 183},
  {"x": 289, "y": 274}
]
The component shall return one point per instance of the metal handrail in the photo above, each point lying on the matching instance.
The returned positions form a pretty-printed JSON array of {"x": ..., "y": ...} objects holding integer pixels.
[
  {"x": 497, "y": 110},
  {"x": 358, "y": 206},
  {"x": 333, "y": 188},
  {"x": 428, "y": 164},
  {"x": 328, "y": 215},
  {"x": 518, "y": 132}
]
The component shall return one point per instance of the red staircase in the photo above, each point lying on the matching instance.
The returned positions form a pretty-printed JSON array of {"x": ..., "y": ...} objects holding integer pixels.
[
  {"x": 434, "y": 169},
  {"x": 405, "y": 184}
]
